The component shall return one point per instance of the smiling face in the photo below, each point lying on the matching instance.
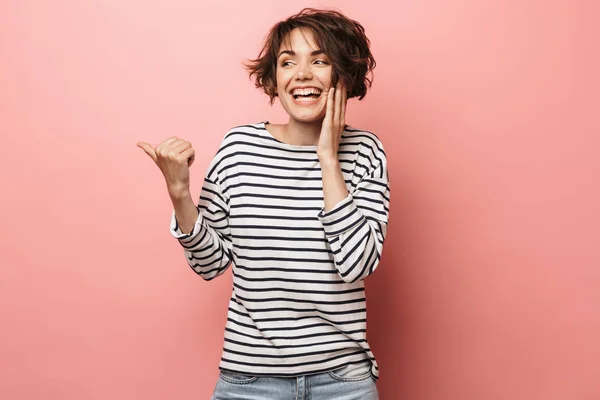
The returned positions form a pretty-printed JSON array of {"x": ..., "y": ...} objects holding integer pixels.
[{"x": 303, "y": 77}]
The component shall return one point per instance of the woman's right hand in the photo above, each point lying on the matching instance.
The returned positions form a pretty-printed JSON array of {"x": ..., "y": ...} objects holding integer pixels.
[{"x": 173, "y": 157}]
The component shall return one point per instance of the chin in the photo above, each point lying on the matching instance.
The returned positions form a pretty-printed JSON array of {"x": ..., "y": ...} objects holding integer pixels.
[
  {"x": 308, "y": 118},
  {"x": 305, "y": 114}
]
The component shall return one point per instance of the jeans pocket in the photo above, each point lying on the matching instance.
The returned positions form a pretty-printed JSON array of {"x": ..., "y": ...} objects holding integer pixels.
[
  {"x": 352, "y": 372},
  {"x": 237, "y": 378}
]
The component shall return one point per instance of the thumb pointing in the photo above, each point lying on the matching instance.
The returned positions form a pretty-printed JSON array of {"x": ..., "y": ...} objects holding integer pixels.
[{"x": 148, "y": 149}]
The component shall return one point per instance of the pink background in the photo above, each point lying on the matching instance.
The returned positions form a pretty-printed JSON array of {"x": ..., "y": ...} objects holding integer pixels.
[{"x": 490, "y": 282}]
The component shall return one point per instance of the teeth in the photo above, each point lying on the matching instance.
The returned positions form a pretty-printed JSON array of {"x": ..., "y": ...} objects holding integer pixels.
[{"x": 306, "y": 92}]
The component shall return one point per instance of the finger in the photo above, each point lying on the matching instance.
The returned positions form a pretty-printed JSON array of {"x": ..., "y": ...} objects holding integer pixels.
[
  {"x": 330, "y": 105},
  {"x": 338, "y": 104},
  {"x": 343, "y": 110},
  {"x": 171, "y": 139},
  {"x": 180, "y": 147},
  {"x": 166, "y": 143},
  {"x": 172, "y": 149},
  {"x": 147, "y": 147},
  {"x": 189, "y": 155}
]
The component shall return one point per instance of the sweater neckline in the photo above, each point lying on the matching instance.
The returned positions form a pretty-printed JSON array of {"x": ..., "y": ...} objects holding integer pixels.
[{"x": 264, "y": 124}]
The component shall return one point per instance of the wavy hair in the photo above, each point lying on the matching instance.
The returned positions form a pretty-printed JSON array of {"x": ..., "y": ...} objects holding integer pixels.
[{"x": 342, "y": 39}]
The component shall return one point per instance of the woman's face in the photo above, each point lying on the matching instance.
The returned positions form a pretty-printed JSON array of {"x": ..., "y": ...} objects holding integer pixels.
[{"x": 303, "y": 77}]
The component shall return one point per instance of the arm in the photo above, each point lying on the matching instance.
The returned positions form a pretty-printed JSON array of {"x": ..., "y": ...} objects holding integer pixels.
[
  {"x": 208, "y": 246},
  {"x": 334, "y": 186},
  {"x": 355, "y": 224},
  {"x": 186, "y": 211}
]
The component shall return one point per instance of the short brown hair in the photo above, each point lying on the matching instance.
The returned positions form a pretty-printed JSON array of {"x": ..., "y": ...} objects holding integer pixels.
[{"x": 343, "y": 40}]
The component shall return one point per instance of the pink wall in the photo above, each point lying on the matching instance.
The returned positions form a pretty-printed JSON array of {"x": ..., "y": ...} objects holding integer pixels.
[{"x": 490, "y": 285}]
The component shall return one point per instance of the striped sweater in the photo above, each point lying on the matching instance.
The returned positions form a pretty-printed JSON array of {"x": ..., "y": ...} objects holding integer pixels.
[{"x": 298, "y": 302}]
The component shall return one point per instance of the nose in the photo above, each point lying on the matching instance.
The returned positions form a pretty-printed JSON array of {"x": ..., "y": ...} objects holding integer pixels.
[{"x": 304, "y": 73}]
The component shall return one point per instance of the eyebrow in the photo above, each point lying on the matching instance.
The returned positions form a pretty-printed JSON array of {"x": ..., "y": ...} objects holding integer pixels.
[{"x": 293, "y": 53}]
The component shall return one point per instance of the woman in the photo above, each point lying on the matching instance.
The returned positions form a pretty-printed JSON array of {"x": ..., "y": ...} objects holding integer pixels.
[{"x": 302, "y": 210}]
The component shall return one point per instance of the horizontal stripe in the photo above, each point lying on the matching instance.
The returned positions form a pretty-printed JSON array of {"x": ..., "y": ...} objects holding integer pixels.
[
  {"x": 310, "y": 335},
  {"x": 291, "y": 346},
  {"x": 276, "y": 365},
  {"x": 332, "y": 292},
  {"x": 293, "y": 300}
]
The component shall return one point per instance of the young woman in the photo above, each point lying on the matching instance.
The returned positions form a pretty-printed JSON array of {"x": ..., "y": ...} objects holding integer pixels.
[{"x": 300, "y": 210}]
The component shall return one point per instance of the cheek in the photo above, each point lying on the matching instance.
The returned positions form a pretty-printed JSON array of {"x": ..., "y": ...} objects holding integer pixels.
[
  {"x": 325, "y": 77},
  {"x": 281, "y": 82}
]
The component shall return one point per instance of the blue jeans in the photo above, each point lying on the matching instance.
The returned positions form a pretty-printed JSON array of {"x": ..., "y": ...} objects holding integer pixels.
[{"x": 345, "y": 383}]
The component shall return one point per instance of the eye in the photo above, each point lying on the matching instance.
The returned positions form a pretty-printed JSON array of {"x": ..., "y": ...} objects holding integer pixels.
[
  {"x": 286, "y": 63},
  {"x": 321, "y": 62}
]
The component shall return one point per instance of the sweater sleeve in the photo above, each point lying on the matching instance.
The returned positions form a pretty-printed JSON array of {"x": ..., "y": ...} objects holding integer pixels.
[
  {"x": 356, "y": 226},
  {"x": 208, "y": 246}
]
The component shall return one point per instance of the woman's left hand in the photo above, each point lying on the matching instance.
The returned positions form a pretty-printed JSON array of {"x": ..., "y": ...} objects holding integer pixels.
[{"x": 333, "y": 124}]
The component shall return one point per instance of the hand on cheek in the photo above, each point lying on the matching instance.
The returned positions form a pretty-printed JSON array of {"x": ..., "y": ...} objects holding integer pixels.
[{"x": 333, "y": 123}]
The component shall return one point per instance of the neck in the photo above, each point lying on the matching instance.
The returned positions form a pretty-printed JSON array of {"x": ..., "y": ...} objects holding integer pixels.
[{"x": 302, "y": 133}]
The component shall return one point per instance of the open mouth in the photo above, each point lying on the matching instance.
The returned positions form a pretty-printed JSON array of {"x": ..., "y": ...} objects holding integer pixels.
[{"x": 306, "y": 94}]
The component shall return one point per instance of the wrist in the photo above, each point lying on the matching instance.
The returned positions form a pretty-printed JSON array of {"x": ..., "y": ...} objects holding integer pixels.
[
  {"x": 179, "y": 192},
  {"x": 329, "y": 162}
]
